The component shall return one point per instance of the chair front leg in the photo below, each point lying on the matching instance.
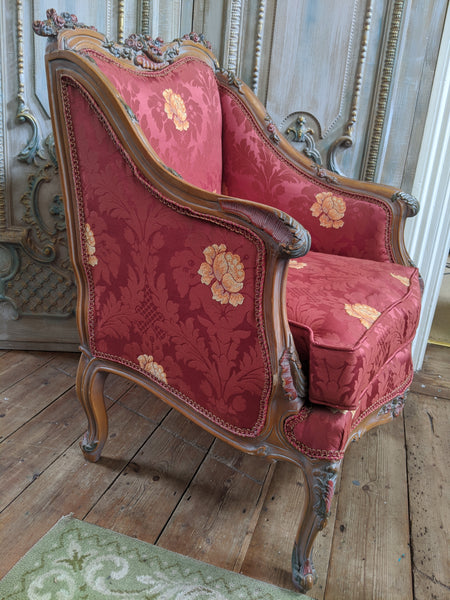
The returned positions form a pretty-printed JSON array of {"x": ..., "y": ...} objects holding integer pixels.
[
  {"x": 90, "y": 387},
  {"x": 320, "y": 476}
]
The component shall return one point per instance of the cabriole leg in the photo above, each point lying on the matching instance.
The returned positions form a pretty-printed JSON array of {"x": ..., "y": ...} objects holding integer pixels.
[
  {"x": 90, "y": 386},
  {"x": 320, "y": 478}
]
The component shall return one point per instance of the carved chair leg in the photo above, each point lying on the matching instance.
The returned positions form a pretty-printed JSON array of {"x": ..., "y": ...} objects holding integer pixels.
[
  {"x": 90, "y": 385},
  {"x": 320, "y": 476}
]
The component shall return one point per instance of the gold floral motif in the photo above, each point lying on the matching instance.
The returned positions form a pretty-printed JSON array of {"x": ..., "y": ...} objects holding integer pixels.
[
  {"x": 402, "y": 279},
  {"x": 366, "y": 314},
  {"x": 175, "y": 109},
  {"x": 330, "y": 210},
  {"x": 147, "y": 363},
  {"x": 90, "y": 245},
  {"x": 225, "y": 272},
  {"x": 293, "y": 264}
]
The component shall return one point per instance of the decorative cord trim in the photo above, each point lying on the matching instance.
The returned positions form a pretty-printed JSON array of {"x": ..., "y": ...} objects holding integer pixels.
[
  {"x": 384, "y": 400},
  {"x": 289, "y": 425}
]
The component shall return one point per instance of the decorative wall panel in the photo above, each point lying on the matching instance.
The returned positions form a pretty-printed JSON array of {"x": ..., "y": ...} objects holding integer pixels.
[
  {"x": 37, "y": 288},
  {"x": 347, "y": 82}
]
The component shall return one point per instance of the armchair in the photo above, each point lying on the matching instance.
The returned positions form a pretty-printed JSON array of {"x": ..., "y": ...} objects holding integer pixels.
[{"x": 270, "y": 301}]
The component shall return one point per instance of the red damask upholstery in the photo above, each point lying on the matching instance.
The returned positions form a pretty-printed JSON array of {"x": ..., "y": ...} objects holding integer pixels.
[
  {"x": 172, "y": 294},
  {"x": 186, "y": 212},
  {"x": 352, "y": 311},
  {"x": 339, "y": 223},
  {"x": 349, "y": 317},
  {"x": 177, "y": 321},
  {"x": 180, "y": 115}
]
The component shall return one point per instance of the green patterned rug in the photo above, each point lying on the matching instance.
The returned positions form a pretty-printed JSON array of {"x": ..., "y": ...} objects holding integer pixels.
[{"x": 80, "y": 561}]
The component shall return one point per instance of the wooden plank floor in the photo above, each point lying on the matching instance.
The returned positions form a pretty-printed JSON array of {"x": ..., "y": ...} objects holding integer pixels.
[{"x": 163, "y": 480}]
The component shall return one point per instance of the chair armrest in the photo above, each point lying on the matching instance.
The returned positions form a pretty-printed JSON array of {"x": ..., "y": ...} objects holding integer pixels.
[{"x": 293, "y": 239}]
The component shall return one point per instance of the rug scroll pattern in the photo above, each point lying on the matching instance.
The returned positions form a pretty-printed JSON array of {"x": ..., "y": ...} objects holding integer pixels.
[{"x": 80, "y": 561}]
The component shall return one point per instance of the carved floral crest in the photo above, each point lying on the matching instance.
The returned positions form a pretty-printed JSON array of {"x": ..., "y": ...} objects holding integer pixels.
[
  {"x": 142, "y": 50},
  {"x": 152, "y": 54},
  {"x": 55, "y": 23}
]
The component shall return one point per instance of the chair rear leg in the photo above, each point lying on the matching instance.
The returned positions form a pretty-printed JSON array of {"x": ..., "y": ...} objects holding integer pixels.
[
  {"x": 90, "y": 387},
  {"x": 320, "y": 476}
]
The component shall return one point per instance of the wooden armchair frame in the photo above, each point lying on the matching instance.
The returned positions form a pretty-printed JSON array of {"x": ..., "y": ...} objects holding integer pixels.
[{"x": 282, "y": 237}]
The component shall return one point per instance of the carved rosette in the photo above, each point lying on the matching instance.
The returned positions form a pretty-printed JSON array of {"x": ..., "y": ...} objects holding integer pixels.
[
  {"x": 272, "y": 130},
  {"x": 55, "y": 23},
  {"x": 394, "y": 407}
]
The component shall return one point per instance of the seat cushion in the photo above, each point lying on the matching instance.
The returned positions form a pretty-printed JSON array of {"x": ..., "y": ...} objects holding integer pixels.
[
  {"x": 349, "y": 317},
  {"x": 323, "y": 432}
]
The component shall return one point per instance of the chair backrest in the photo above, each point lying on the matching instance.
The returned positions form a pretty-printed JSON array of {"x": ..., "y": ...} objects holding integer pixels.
[
  {"x": 178, "y": 108},
  {"x": 256, "y": 168}
]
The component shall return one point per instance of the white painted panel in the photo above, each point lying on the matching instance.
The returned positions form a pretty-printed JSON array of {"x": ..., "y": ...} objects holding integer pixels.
[
  {"x": 428, "y": 235},
  {"x": 312, "y": 42}
]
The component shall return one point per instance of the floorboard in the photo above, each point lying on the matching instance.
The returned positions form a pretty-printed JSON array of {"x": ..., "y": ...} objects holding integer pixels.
[
  {"x": 370, "y": 556},
  {"x": 428, "y": 447},
  {"x": 166, "y": 481},
  {"x": 218, "y": 507}
]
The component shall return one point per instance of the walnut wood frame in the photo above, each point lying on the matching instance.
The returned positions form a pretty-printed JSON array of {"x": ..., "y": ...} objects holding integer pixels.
[{"x": 283, "y": 239}]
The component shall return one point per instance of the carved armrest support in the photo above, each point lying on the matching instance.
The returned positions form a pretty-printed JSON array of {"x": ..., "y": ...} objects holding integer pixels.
[
  {"x": 411, "y": 203},
  {"x": 292, "y": 378},
  {"x": 292, "y": 238}
]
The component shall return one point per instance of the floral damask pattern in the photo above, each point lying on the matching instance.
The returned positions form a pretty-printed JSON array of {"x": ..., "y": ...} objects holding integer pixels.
[
  {"x": 90, "y": 245},
  {"x": 342, "y": 357},
  {"x": 402, "y": 279},
  {"x": 255, "y": 170},
  {"x": 294, "y": 264},
  {"x": 175, "y": 109},
  {"x": 147, "y": 363},
  {"x": 366, "y": 314},
  {"x": 330, "y": 209},
  {"x": 226, "y": 273},
  {"x": 146, "y": 297}
]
